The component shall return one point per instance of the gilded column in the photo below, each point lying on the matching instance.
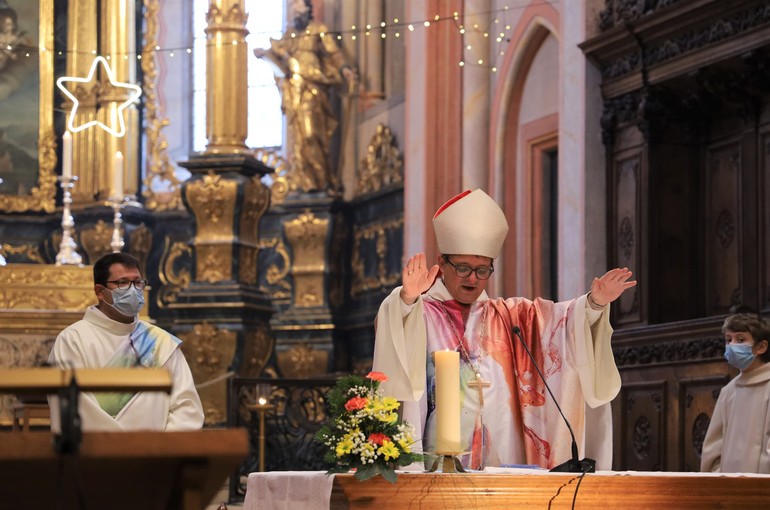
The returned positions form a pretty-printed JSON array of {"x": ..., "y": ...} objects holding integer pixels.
[
  {"x": 81, "y": 43},
  {"x": 223, "y": 315},
  {"x": 117, "y": 39},
  {"x": 305, "y": 327},
  {"x": 226, "y": 78},
  {"x": 222, "y": 310}
]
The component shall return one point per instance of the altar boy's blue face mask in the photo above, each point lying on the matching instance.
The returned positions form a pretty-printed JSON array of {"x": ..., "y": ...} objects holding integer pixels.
[
  {"x": 127, "y": 301},
  {"x": 740, "y": 356}
]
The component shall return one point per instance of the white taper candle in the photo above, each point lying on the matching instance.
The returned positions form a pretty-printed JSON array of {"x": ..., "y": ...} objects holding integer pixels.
[
  {"x": 117, "y": 185},
  {"x": 66, "y": 155}
]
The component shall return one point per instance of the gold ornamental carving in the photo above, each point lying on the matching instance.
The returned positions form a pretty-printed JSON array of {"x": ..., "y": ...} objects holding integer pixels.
[
  {"x": 46, "y": 287},
  {"x": 257, "y": 350},
  {"x": 382, "y": 165},
  {"x": 275, "y": 274},
  {"x": 174, "y": 275},
  {"x": 29, "y": 251},
  {"x": 302, "y": 361},
  {"x": 382, "y": 279},
  {"x": 159, "y": 172},
  {"x": 226, "y": 14},
  {"x": 140, "y": 242},
  {"x": 212, "y": 200},
  {"x": 280, "y": 185},
  {"x": 41, "y": 196},
  {"x": 256, "y": 200},
  {"x": 247, "y": 260},
  {"x": 96, "y": 240},
  {"x": 213, "y": 263},
  {"x": 307, "y": 236},
  {"x": 209, "y": 351}
]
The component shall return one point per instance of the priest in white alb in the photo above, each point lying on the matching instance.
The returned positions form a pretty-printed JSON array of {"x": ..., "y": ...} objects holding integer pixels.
[
  {"x": 507, "y": 416},
  {"x": 111, "y": 335}
]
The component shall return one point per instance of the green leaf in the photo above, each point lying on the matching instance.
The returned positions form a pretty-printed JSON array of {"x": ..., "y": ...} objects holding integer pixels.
[
  {"x": 338, "y": 469},
  {"x": 366, "y": 472},
  {"x": 388, "y": 473}
]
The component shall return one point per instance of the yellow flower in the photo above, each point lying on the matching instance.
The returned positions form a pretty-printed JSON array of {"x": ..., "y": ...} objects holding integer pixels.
[
  {"x": 388, "y": 417},
  {"x": 389, "y": 403},
  {"x": 374, "y": 405},
  {"x": 389, "y": 450},
  {"x": 344, "y": 447},
  {"x": 404, "y": 444}
]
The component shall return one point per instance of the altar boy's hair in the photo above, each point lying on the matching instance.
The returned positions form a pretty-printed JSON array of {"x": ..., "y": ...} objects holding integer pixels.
[
  {"x": 103, "y": 265},
  {"x": 753, "y": 324}
]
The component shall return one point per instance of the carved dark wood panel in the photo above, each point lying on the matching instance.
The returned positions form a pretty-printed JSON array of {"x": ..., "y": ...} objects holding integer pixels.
[
  {"x": 697, "y": 398},
  {"x": 723, "y": 227},
  {"x": 686, "y": 125},
  {"x": 643, "y": 425},
  {"x": 764, "y": 171},
  {"x": 627, "y": 231}
]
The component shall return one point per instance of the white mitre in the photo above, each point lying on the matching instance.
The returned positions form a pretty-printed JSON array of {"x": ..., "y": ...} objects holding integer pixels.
[{"x": 470, "y": 223}]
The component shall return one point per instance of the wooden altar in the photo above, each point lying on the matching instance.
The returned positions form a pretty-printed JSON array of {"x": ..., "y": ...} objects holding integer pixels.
[
  {"x": 518, "y": 488},
  {"x": 554, "y": 491},
  {"x": 119, "y": 470}
]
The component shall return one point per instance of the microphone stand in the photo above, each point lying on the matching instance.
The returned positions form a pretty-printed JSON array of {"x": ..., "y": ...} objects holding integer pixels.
[{"x": 573, "y": 465}]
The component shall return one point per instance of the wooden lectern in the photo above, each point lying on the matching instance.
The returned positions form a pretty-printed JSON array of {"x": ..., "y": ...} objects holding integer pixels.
[
  {"x": 119, "y": 470},
  {"x": 142, "y": 470}
]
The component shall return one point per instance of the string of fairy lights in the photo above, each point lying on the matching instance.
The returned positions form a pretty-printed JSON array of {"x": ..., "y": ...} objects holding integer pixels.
[{"x": 499, "y": 31}]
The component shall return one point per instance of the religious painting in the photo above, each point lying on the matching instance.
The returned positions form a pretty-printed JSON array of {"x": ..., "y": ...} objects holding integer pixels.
[{"x": 27, "y": 139}]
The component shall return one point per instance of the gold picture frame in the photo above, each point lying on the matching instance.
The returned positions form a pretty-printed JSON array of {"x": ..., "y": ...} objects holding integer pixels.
[{"x": 41, "y": 196}]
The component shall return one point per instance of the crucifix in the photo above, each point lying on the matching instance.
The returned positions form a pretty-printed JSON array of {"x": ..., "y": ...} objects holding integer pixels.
[{"x": 479, "y": 383}]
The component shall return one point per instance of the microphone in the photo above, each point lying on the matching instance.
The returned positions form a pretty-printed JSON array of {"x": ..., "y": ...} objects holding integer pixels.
[{"x": 573, "y": 465}]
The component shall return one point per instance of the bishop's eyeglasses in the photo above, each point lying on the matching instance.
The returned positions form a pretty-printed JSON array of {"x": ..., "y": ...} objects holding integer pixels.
[
  {"x": 464, "y": 271},
  {"x": 125, "y": 284}
]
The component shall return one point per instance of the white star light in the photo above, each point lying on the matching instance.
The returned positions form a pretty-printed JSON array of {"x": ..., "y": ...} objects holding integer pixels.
[{"x": 135, "y": 92}]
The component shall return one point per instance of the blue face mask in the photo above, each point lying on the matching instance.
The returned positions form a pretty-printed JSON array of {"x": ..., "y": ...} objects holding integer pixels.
[
  {"x": 128, "y": 302},
  {"x": 739, "y": 356}
]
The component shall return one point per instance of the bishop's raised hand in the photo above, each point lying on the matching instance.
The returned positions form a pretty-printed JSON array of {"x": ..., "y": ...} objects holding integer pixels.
[
  {"x": 609, "y": 287},
  {"x": 416, "y": 278}
]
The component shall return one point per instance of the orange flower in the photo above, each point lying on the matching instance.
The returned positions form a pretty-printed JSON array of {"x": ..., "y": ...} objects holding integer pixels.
[
  {"x": 355, "y": 403},
  {"x": 377, "y": 376},
  {"x": 378, "y": 438}
]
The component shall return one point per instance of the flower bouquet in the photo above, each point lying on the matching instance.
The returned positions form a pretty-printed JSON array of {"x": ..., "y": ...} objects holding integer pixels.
[{"x": 363, "y": 431}]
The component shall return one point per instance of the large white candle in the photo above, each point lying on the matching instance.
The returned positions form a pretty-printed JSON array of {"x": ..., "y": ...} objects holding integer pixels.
[
  {"x": 447, "y": 401},
  {"x": 66, "y": 155},
  {"x": 117, "y": 186}
]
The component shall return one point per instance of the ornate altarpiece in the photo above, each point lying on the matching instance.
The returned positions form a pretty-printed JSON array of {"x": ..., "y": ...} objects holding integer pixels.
[{"x": 685, "y": 125}]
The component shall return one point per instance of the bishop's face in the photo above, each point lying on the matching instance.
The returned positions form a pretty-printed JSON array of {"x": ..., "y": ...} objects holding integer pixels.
[{"x": 464, "y": 290}]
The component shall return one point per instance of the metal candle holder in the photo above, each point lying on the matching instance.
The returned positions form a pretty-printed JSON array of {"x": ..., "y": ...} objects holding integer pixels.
[
  {"x": 117, "y": 203},
  {"x": 447, "y": 463},
  {"x": 262, "y": 405},
  {"x": 68, "y": 254}
]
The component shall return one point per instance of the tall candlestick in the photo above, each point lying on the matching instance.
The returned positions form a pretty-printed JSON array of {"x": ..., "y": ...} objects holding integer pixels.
[
  {"x": 447, "y": 401},
  {"x": 118, "y": 184},
  {"x": 66, "y": 155}
]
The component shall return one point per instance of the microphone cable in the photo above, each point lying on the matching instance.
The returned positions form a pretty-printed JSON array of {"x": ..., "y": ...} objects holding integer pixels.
[
  {"x": 517, "y": 332},
  {"x": 573, "y": 465}
]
